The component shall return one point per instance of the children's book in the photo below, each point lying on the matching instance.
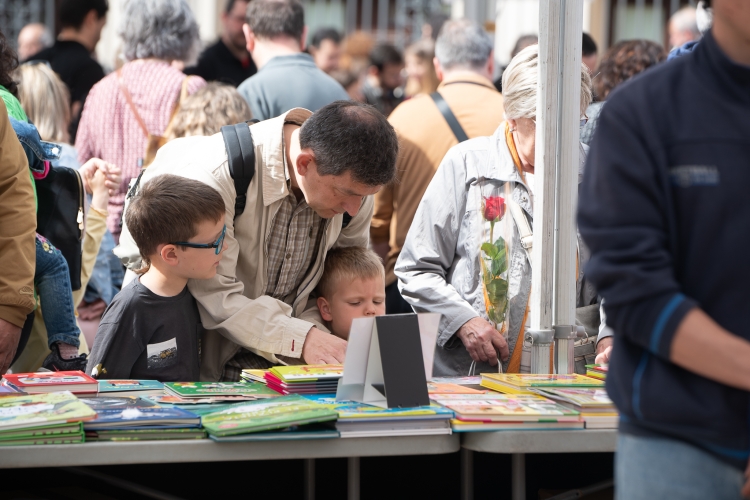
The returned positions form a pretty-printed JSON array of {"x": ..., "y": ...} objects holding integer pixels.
[
  {"x": 598, "y": 372},
  {"x": 146, "y": 417},
  {"x": 249, "y": 390},
  {"x": 449, "y": 388},
  {"x": 7, "y": 389},
  {"x": 42, "y": 382},
  {"x": 119, "y": 403},
  {"x": 475, "y": 426},
  {"x": 145, "y": 434},
  {"x": 582, "y": 399},
  {"x": 362, "y": 411},
  {"x": 265, "y": 415},
  {"x": 253, "y": 375},
  {"x": 42, "y": 432},
  {"x": 75, "y": 438},
  {"x": 308, "y": 373},
  {"x": 511, "y": 408},
  {"x": 39, "y": 410},
  {"x": 126, "y": 387},
  {"x": 310, "y": 431},
  {"x": 171, "y": 399},
  {"x": 522, "y": 383}
]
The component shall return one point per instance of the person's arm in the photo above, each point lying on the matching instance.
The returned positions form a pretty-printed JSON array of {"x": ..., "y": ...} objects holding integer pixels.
[
  {"x": 17, "y": 245},
  {"x": 623, "y": 215},
  {"x": 116, "y": 349}
]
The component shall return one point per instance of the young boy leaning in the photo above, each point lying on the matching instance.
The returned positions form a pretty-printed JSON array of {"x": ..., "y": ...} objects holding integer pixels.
[
  {"x": 352, "y": 286},
  {"x": 152, "y": 328}
]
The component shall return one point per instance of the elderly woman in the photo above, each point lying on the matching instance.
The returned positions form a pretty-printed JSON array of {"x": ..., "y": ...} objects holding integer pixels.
[
  {"x": 137, "y": 101},
  {"x": 463, "y": 256}
]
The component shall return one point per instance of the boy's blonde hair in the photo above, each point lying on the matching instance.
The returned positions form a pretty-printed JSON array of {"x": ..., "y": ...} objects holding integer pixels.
[
  {"x": 207, "y": 110},
  {"x": 46, "y": 100},
  {"x": 350, "y": 263}
]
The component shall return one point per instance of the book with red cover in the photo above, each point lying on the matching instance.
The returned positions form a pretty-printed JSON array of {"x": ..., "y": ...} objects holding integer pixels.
[{"x": 76, "y": 382}]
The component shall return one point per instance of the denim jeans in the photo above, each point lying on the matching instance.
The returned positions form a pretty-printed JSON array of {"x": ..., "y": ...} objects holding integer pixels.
[
  {"x": 660, "y": 468},
  {"x": 52, "y": 281},
  {"x": 106, "y": 278}
]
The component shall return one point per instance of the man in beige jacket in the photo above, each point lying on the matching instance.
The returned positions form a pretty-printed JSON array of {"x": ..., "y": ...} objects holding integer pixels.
[{"x": 310, "y": 169}]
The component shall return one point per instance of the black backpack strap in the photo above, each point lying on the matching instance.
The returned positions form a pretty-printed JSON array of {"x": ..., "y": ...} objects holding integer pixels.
[
  {"x": 458, "y": 131},
  {"x": 241, "y": 156}
]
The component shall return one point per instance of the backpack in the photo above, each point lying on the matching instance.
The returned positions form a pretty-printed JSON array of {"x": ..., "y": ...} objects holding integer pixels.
[{"x": 238, "y": 142}]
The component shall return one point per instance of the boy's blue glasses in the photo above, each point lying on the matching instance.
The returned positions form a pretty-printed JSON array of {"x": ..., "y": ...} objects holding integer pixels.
[{"x": 218, "y": 244}]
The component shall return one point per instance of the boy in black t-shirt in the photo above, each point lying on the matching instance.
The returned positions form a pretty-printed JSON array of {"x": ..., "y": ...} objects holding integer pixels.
[{"x": 152, "y": 328}]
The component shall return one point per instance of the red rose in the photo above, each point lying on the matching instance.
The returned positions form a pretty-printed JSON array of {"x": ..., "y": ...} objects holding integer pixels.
[{"x": 494, "y": 208}]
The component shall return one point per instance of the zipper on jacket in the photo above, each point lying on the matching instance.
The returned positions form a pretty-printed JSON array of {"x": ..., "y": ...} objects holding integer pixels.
[{"x": 79, "y": 218}]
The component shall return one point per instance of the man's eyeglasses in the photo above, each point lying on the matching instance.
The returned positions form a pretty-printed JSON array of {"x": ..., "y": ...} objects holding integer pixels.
[{"x": 218, "y": 244}]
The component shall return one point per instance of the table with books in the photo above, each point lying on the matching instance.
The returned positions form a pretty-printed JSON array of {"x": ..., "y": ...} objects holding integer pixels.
[{"x": 291, "y": 412}]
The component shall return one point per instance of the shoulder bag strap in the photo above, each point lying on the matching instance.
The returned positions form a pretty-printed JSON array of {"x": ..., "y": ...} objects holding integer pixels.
[
  {"x": 238, "y": 142},
  {"x": 129, "y": 100},
  {"x": 524, "y": 228},
  {"x": 445, "y": 110}
]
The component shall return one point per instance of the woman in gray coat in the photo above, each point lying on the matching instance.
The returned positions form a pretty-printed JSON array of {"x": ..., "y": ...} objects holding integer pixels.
[{"x": 464, "y": 255}]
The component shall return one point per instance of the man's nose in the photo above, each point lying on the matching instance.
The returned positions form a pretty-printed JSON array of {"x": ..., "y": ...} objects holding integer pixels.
[{"x": 352, "y": 206}]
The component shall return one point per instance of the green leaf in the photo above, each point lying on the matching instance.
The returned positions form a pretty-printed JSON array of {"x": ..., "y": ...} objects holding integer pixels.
[
  {"x": 500, "y": 259},
  {"x": 497, "y": 289},
  {"x": 489, "y": 249}
]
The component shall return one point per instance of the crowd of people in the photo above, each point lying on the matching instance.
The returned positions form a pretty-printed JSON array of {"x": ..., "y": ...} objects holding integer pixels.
[{"x": 368, "y": 180}]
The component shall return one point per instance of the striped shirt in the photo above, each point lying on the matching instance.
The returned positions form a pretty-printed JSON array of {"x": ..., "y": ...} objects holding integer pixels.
[{"x": 109, "y": 130}]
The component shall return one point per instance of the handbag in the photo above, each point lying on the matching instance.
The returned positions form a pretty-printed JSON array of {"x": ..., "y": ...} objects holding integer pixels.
[{"x": 60, "y": 216}]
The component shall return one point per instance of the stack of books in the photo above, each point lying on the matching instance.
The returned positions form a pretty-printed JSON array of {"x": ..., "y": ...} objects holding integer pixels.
[
  {"x": 524, "y": 383},
  {"x": 304, "y": 379},
  {"x": 128, "y": 387},
  {"x": 51, "y": 418},
  {"x": 254, "y": 375},
  {"x": 287, "y": 417},
  {"x": 595, "y": 407},
  {"x": 76, "y": 382},
  {"x": 131, "y": 418},
  {"x": 499, "y": 412},
  {"x": 363, "y": 420},
  {"x": 183, "y": 393},
  {"x": 598, "y": 372}
]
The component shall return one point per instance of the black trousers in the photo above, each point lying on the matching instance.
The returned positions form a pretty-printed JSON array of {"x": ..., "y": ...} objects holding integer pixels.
[{"x": 394, "y": 302}]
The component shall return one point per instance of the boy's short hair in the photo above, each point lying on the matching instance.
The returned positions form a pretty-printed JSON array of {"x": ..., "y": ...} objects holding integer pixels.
[
  {"x": 169, "y": 208},
  {"x": 349, "y": 262}
]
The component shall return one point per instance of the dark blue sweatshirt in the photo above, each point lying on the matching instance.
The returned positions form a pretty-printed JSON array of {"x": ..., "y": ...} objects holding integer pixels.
[{"x": 665, "y": 210}]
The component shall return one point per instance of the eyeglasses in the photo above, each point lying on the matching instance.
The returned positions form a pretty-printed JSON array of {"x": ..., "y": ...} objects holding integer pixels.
[{"x": 218, "y": 244}]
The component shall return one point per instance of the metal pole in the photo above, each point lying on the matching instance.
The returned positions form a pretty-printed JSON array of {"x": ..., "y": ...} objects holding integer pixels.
[
  {"x": 309, "y": 478},
  {"x": 351, "y": 16},
  {"x": 383, "y": 20},
  {"x": 518, "y": 476},
  {"x": 366, "y": 15},
  {"x": 467, "y": 474},
  {"x": 352, "y": 474}
]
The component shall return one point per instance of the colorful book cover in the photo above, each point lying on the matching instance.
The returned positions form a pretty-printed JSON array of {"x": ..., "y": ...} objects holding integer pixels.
[
  {"x": 449, "y": 388},
  {"x": 603, "y": 368},
  {"x": 254, "y": 375},
  {"x": 47, "y": 430},
  {"x": 515, "y": 383},
  {"x": 265, "y": 415},
  {"x": 147, "y": 417},
  {"x": 41, "y": 382},
  {"x": 119, "y": 403},
  {"x": 171, "y": 399},
  {"x": 75, "y": 438},
  {"x": 307, "y": 373},
  {"x": 355, "y": 410},
  {"x": 38, "y": 410},
  {"x": 6, "y": 389},
  {"x": 125, "y": 385},
  {"x": 310, "y": 431},
  {"x": 145, "y": 434},
  {"x": 522, "y": 407},
  {"x": 476, "y": 380},
  {"x": 254, "y": 390}
]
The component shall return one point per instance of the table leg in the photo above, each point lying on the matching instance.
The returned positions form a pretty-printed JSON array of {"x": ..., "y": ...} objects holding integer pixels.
[
  {"x": 309, "y": 478},
  {"x": 352, "y": 475},
  {"x": 467, "y": 474},
  {"x": 518, "y": 476}
]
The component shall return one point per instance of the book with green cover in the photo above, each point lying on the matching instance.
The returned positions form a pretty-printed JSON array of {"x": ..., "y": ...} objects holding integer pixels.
[
  {"x": 311, "y": 431},
  {"x": 265, "y": 415},
  {"x": 308, "y": 373},
  {"x": 39, "y": 432},
  {"x": 353, "y": 410},
  {"x": 251, "y": 390},
  {"x": 75, "y": 438},
  {"x": 145, "y": 435},
  {"x": 522, "y": 383},
  {"x": 38, "y": 410},
  {"x": 129, "y": 387}
]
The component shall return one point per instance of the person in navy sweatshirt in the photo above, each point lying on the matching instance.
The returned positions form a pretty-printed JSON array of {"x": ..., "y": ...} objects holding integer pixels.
[{"x": 665, "y": 211}]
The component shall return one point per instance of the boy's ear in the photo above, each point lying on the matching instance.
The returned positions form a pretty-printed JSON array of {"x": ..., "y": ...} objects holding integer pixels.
[
  {"x": 168, "y": 254},
  {"x": 325, "y": 309}
]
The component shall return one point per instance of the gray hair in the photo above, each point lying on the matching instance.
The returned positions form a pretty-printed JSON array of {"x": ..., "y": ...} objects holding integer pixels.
[
  {"x": 704, "y": 17},
  {"x": 520, "y": 85},
  {"x": 162, "y": 29},
  {"x": 685, "y": 20},
  {"x": 463, "y": 44}
]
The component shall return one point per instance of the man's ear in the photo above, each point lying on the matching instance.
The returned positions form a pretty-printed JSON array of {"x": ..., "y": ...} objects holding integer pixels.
[
  {"x": 438, "y": 68},
  {"x": 305, "y": 161},
  {"x": 91, "y": 18},
  {"x": 168, "y": 254},
  {"x": 303, "y": 41},
  {"x": 373, "y": 70},
  {"x": 325, "y": 309},
  {"x": 490, "y": 66},
  {"x": 249, "y": 38}
]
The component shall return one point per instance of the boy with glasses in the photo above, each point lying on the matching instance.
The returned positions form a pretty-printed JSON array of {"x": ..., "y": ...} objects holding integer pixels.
[{"x": 152, "y": 328}]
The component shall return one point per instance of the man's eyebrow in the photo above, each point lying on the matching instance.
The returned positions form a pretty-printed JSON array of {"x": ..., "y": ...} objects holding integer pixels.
[{"x": 349, "y": 192}]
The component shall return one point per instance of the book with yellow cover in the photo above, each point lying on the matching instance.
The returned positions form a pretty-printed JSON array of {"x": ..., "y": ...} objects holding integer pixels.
[
  {"x": 523, "y": 383},
  {"x": 449, "y": 388},
  {"x": 508, "y": 408},
  {"x": 307, "y": 373}
]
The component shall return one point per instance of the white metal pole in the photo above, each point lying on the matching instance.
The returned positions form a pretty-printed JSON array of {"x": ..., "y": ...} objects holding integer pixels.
[{"x": 556, "y": 170}]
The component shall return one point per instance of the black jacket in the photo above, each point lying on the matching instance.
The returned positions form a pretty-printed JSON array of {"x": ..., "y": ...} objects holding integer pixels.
[{"x": 665, "y": 211}]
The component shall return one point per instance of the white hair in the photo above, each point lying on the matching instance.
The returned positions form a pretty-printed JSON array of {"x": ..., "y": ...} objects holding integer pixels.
[
  {"x": 520, "y": 81},
  {"x": 463, "y": 44},
  {"x": 162, "y": 29},
  {"x": 685, "y": 20},
  {"x": 704, "y": 17}
]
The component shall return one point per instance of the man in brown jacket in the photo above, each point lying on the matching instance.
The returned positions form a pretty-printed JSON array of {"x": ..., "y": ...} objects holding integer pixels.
[
  {"x": 17, "y": 250},
  {"x": 464, "y": 63}
]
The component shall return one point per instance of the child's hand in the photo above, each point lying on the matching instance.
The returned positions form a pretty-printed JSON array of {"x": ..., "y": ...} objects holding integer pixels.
[
  {"x": 98, "y": 184},
  {"x": 112, "y": 172}
]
